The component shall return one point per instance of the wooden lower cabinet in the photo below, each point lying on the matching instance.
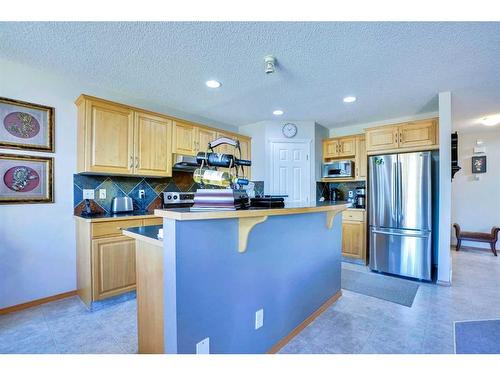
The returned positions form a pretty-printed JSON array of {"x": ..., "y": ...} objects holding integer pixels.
[
  {"x": 113, "y": 266},
  {"x": 106, "y": 259},
  {"x": 354, "y": 234}
]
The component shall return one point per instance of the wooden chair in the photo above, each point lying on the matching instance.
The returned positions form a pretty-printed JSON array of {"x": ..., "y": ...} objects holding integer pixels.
[{"x": 491, "y": 238}]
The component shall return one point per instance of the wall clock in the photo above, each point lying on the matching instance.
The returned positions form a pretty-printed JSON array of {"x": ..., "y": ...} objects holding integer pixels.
[{"x": 289, "y": 130}]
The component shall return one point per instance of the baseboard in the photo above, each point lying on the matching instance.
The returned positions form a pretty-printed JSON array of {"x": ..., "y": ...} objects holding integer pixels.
[
  {"x": 276, "y": 348},
  {"x": 36, "y": 302}
]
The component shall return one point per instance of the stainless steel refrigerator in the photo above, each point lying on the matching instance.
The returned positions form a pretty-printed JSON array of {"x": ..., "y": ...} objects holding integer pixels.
[{"x": 400, "y": 214}]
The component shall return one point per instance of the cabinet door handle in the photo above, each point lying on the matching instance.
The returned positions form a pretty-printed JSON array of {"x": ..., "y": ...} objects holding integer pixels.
[
  {"x": 400, "y": 137},
  {"x": 131, "y": 162},
  {"x": 137, "y": 162}
]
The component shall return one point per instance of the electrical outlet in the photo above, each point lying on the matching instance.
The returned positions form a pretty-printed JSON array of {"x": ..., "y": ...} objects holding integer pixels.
[
  {"x": 203, "y": 347},
  {"x": 88, "y": 194},
  {"x": 259, "y": 318},
  {"x": 142, "y": 194},
  {"x": 102, "y": 193}
]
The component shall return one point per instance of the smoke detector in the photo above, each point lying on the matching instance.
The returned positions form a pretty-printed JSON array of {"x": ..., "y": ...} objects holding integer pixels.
[{"x": 269, "y": 64}]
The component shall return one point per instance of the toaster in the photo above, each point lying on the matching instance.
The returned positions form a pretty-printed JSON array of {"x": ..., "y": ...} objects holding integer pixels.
[{"x": 122, "y": 204}]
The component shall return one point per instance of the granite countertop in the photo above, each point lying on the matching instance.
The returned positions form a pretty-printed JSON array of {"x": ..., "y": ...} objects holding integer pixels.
[
  {"x": 148, "y": 233},
  {"x": 122, "y": 215}
]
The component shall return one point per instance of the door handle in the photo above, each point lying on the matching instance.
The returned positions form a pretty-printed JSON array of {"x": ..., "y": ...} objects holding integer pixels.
[
  {"x": 137, "y": 162},
  {"x": 131, "y": 162},
  {"x": 394, "y": 193},
  {"x": 400, "y": 193}
]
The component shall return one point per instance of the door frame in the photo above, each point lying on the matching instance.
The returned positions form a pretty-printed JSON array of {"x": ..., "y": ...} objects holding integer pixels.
[{"x": 269, "y": 162}]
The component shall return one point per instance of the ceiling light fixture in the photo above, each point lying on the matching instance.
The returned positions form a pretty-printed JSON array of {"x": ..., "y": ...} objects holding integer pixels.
[
  {"x": 213, "y": 84},
  {"x": 349, "y": 99},
  {"x": 490, "y": 120},
  {"x": 278, "y": 112}
]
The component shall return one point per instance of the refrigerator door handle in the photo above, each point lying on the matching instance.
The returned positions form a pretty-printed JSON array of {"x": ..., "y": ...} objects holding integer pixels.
[
  {"x": 394, "y": 200},
  {"x": 400, "y": 194},
  {"x": 419, "y": 235}
]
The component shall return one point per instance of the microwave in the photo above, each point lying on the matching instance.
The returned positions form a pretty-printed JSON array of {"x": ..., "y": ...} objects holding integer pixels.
[{"x": 338, "y": 169}]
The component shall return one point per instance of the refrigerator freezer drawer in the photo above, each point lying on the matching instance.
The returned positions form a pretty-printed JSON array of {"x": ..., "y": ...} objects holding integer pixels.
[{"x": 405, "y": 253}]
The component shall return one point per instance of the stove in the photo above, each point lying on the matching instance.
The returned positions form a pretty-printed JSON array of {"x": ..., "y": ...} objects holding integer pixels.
[{"x": 173, "y": 199}]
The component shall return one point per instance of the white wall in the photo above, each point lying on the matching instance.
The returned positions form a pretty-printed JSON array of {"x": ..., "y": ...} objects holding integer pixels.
[
  {"x": 37, "y": 241},
  {"x": 262, "y": 132},
  {"x": 476, "y": 203}
]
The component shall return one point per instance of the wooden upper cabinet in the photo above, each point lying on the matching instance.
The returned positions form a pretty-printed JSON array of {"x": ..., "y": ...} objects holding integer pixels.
[
  {"x": 361, "y": 159},
  {"x": 382, "y": 138},
  {"x": 203, "y": 137},
  {"x": 330, "y": 148},
  {"x": 347, "y": 146},
  {"x": 117, "y": 139},
  {"x": 225, "y": 149},
  {"x": 109, "y": 138},
  {"x": 152, "y": 154},
  {"x": 245, "y": 146},
  {"x": 418, "y": 133},
  {"x": 183, "y": 139}
]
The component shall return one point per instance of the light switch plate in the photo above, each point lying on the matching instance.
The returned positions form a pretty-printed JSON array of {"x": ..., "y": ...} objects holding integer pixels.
[
  {"x": 142, "y": 194},
  {"x": 102, "y": 193},
  {"x": 203, "y": 347},
  {"x": 88, "y": 194}
]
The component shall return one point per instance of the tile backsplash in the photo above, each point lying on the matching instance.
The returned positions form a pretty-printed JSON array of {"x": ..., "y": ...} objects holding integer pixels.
[
  {"x": 118, "y": 186},
  {"x": 323, "y": 188}
]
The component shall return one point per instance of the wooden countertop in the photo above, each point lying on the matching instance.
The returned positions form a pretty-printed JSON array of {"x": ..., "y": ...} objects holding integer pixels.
[{"x": 185, "y": 214}]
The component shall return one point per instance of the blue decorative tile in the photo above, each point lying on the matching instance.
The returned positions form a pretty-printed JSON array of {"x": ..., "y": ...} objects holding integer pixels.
[
  {"x": 88, "y": 181},
  {"x": 126, "y": 183},
  {"x": 171, "y": 187},
  {"x": 158, "y": 184},
  {"x": 112, "y": 190},
  {"x": 150, "y": 195},
  {"x": 77, "y": 195}
]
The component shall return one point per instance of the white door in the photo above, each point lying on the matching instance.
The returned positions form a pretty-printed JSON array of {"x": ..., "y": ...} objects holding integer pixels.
[{"x": 290, "y": 171}]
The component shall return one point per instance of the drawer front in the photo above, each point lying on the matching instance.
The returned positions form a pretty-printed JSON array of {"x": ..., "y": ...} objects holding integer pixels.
[
  {"x": 113, "y": 228},
  {"x": 353, "y": 215},
  {"x": 154, "y": 221}
]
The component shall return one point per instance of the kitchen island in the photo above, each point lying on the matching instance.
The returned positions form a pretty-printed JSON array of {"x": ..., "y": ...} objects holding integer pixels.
[{"x": 203, "y": 287}]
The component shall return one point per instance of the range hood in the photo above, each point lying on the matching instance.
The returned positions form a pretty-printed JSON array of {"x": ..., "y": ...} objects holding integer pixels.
[{"x": 185, "y": 163}]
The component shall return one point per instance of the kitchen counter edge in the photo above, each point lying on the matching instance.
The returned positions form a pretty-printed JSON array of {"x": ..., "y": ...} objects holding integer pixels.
[{"x": 185, "y": 214}]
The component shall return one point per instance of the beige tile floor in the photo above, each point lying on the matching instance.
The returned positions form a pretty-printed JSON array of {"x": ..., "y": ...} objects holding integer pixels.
[{"x": 355, "y": 324}]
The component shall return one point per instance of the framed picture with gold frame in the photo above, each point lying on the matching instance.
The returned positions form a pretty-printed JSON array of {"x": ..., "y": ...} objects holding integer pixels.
[
  {"x": 26, "y": 126},
  {"x": 26, "y": 179}
]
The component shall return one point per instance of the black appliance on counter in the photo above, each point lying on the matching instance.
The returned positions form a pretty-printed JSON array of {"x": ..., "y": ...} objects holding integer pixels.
[{"x": 360, "y": 200}]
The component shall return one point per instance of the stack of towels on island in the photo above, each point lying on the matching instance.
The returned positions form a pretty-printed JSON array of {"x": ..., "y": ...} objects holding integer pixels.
[{"x": 220, "y": 200}]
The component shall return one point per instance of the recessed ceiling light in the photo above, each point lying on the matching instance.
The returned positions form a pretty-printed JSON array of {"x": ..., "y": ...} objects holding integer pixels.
[
  {"x": 349, "y": 99},
  {"x": 490, "y": 120},
  {"x": 213, "y": 84},
  {"x": 278, "y": 112}
]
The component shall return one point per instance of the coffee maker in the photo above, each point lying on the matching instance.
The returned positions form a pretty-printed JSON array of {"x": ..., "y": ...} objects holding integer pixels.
[{"x": 360, "y": 201}]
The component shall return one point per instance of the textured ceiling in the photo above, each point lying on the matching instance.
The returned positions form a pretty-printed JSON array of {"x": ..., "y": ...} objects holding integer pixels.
[{"x": 395, "y": 69}]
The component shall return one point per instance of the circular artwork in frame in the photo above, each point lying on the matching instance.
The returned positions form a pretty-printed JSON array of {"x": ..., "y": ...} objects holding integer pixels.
[
  {"x": 21, "y": 179},
  {"x": 21, "y": 125}
]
